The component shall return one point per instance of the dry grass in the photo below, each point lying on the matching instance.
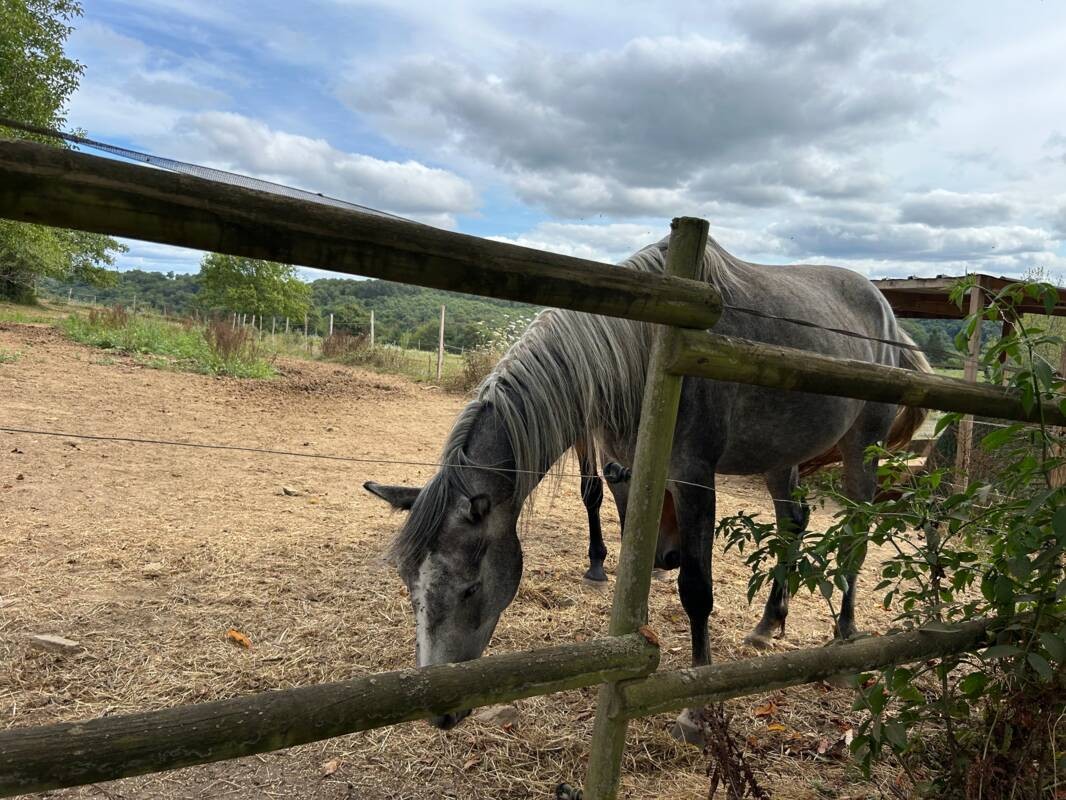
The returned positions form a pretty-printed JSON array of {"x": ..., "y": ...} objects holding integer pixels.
[{"x": 302, "y": 577}]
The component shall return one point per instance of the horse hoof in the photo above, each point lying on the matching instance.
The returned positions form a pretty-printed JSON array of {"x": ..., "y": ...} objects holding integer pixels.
[
  {"x": 686, "y": 730},
  {"x": 595, "y": 576},
  {"x": 760, "y": 641},
  {"x": 660, "y": 574}
]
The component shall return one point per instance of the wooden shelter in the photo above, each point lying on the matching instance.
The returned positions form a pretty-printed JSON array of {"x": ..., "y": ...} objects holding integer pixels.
[{"x": 928, "y": 298}]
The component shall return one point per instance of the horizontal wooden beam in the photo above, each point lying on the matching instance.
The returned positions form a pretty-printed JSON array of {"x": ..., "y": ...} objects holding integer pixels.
[
  {"x": 725, "y": 358},
  {"x": 74, "y": 753},
  {"x": 691, "y": 688},
  {"x": 64, "y": 188}
]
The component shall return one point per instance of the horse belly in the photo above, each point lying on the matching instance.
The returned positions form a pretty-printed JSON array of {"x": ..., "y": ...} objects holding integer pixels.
[{"x": 774, "y": 432}]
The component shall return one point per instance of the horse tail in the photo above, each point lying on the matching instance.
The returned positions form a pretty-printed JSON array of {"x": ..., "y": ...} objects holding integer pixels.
[
  {"x": 907, "y": 422},
  {"x": 908, "y": 418}
]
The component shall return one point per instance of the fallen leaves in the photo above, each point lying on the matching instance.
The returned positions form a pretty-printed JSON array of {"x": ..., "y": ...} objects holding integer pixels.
[
  {"x": 649, "y": 634},
  {"x": 331, "y": 766},
  {"x": 239, "y": 638}
]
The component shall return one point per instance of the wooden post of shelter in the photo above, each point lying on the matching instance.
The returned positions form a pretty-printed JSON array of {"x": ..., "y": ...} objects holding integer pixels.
[
  {"x": 964, "y": 437},
  {"x": 655, "y": 439},
  {"x": 440, "y": 345}
]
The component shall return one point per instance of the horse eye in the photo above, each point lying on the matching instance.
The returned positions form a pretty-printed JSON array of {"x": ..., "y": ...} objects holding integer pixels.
[{"x": 471, "y": 590}]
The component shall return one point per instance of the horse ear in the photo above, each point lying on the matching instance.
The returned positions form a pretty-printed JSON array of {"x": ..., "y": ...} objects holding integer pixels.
[
  {"x": 475, "y": 508},
  {"x": 399, "y": 497}
]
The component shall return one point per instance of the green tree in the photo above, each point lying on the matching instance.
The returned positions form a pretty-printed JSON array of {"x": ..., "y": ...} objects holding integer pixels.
[
  {"x": 937, "y": 347},
  {"x": 252, "y": 286},
  {"x": 36, "y": 78}
]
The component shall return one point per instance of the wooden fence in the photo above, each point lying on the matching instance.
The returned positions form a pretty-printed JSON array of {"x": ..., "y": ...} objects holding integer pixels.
[{"x": 59, "y": 187}]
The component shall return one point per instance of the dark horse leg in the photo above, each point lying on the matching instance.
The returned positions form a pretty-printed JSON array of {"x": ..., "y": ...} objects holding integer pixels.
[
  {"x": 592, "y": 497},
  {"x": 860, "y": 484},
  {"x": 695, "y": 508},
  {"x": 792, "y": 518}
]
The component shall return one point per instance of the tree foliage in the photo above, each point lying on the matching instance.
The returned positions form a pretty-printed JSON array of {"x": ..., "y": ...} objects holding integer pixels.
[
  {"x": 36, "y": 79},
  {"x": 253, "y": 286}
]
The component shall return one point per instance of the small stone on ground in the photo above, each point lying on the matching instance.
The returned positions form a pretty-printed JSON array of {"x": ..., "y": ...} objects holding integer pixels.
[
  {"x": 53, "y": 643},
  {"x": 499, "y": 716}
]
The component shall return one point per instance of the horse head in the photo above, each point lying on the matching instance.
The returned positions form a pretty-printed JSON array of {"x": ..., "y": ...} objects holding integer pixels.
[{"x": 462, "y": 569}]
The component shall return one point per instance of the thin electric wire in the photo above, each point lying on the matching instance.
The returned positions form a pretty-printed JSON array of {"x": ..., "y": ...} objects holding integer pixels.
[
  {"x": 197, "y": 170},
  {"x": 332, "y": 457}
]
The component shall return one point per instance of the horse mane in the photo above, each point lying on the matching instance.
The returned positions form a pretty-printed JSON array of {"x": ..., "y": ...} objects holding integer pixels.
[{"x": 569, "y": 375}]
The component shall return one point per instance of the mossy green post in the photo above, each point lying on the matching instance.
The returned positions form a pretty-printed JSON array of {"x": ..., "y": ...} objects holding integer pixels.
[{"x": 655, "y": 438}]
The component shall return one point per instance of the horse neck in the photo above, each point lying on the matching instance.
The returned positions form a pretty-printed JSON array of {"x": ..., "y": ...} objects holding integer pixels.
[{"x": 569, "y": 377}]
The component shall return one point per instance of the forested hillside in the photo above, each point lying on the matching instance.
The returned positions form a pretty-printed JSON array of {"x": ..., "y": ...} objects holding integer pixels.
[{"x": 401, "y": 313}]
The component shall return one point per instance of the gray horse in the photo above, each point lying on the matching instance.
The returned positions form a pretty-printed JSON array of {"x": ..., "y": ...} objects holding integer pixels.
[{"x": 575, "y": 377}]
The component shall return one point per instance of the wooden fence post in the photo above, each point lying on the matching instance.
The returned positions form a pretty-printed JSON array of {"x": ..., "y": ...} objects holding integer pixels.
[
  {"x": 330, "y": 324},
  {"x": 964, "y": 433},
  {"x": 655, "y": 438},
  {"x": 371, "y": 328},
  {"x": 440, "y": 346}
]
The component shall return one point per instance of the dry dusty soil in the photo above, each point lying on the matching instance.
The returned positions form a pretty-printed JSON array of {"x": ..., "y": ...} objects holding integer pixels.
[{"x": 146, "y": 555}]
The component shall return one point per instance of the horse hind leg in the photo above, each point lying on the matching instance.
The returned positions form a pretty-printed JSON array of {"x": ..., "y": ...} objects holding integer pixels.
[
  {"x": 792, "y": 518},
  {"x": 592, "y": 497},
  {"x": 860, "y": 485}
]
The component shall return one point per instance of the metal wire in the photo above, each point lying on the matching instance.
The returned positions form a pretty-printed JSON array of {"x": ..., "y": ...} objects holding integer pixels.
[
  {"x": 331, "y": 457},
  {"x": 209, "y": 173}
]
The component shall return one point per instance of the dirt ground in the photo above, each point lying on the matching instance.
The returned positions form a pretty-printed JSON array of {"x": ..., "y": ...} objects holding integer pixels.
[{"x": 147, "y": 555}]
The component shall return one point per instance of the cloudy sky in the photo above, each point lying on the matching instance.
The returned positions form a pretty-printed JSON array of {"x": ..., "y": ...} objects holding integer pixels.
[{"x": 896, "y": 138}]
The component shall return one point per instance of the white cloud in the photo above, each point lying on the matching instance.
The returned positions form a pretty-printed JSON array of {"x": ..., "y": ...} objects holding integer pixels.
[
  {"x": 249, "y": 146},
  {"x": 944, "y": 209},
  {"x": 753, "y": 120}
]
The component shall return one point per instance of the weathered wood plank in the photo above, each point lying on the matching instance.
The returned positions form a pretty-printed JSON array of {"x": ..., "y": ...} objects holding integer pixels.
[
  {"x": 655, "y": 439},
  {"x": 687, "y": 688},
  {"x": 70, "y": 754},
  {"x": 51, "y": 186},
  {"x": 725, "y": 358}
]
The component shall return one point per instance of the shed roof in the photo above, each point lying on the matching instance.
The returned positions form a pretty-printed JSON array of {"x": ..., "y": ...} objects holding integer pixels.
[{"x": 927, "y": 298}]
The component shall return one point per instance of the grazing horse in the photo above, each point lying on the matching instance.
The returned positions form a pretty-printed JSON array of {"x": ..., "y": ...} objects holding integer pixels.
[{"x": 576, "y": 377}]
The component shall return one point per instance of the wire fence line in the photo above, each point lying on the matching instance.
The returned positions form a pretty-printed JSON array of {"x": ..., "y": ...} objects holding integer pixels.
[{"x": 139, "y": 440}]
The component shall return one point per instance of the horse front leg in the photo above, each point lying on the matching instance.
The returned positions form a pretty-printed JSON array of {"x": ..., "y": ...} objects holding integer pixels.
[
  {"x": 792, "y": 517},
  {"x": 592, "y": 497},
  {"x": 695, "y": 509}
]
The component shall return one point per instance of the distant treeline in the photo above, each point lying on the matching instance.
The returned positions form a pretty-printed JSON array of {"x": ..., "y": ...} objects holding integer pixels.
[
  {"x": 402, "y": 314},
  {"x": 409, "y": 314}
]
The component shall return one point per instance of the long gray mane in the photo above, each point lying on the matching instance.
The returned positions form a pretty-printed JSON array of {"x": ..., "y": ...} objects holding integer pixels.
[{"x": 571, "y": 375}]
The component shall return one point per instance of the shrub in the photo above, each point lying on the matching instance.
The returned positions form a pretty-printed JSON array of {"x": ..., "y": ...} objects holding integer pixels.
[
  {"x": 343, "y": 346},
  {"x": 217, "y": 349},
  {"x": 477, "y": 364},
  {"x": 968, "y": 725}
]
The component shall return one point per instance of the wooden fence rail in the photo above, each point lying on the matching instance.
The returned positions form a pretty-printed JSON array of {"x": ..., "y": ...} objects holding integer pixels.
[
  {"x": 724, "y": 358},
  {"x": 690, "y": 688},
  {"x": 52, "y": 186},
  {"x": 74, "y": 753}
]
